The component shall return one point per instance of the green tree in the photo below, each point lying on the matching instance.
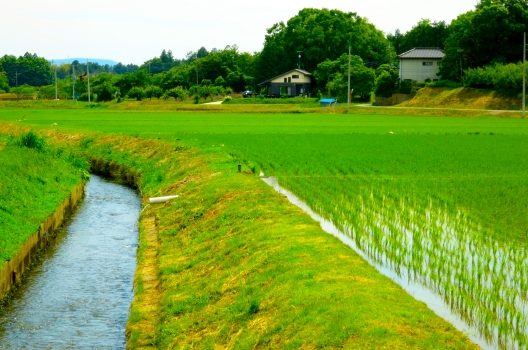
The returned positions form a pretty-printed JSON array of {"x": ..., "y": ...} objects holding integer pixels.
[
  {"x": 28, "y": 69},
  {"x": 4, "y": 82},
  {"x": 179, "y": 93},
  {"x": 424, "y": 34},
  {"x": 236, "y": 69},
  {"x": 183, "y": 75},
  {"x": 103, "y": 86},
  {"x": 386, "y": 80},
  {"x": 219, "y": 81},
  {"x": 8, "y": 64},
  {"x": 120, "y": 68},
  {"x": 320, "y": 34},
  {"x": 137, "y": 93},
  {"x": 492, "y": 33},
  {"x": 153, "y": 91},
  {"x": 332, "y": 77},
  {"x": 105, "y": 92},
  {"x": 128, "y": 81},
  {"x": 160, "y": 64}
]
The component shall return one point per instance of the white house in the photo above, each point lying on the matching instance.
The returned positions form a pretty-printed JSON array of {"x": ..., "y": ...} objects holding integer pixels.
[
  {"x": 296, "y": 82},
  {"x": 420, "y": 64}
]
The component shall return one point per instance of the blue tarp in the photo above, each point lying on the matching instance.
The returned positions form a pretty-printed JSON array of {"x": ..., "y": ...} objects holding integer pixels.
[{"x": 325, "y": 102}]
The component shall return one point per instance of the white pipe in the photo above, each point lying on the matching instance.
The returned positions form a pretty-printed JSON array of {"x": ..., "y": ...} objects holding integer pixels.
[{"x": 162, "y": 199}]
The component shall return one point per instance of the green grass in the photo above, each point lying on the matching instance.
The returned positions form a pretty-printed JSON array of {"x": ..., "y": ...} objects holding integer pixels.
[
  {"x": 383, "y": 174},
  {"x": 32, "y": 185},
  {"x": 241, "y": 268},
  {"x": 454, "y": 159},
  {"x": 301, "y": 101}
]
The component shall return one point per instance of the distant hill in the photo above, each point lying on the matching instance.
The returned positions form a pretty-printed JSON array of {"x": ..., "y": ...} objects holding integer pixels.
[{"x": 100, "y": 61}]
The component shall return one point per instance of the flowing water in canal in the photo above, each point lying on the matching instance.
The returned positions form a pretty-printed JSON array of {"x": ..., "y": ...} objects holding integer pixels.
[{"x": 79, "y": 296}]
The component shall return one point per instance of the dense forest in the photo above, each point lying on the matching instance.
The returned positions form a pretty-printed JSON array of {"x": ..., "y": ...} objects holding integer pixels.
[{"x": 483, "y": 48}]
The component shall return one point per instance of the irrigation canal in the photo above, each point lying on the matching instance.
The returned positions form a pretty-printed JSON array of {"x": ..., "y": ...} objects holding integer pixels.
[{"x": 78, "y": 296}]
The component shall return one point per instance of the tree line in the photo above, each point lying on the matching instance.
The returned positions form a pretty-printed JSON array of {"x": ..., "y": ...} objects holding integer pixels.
[{"x": 478, "y": 45}]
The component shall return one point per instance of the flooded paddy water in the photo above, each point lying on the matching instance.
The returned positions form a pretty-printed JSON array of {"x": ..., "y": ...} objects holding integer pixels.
[
  {"x": 442, "y": 259},
  {"x": 78, "y": 296}
]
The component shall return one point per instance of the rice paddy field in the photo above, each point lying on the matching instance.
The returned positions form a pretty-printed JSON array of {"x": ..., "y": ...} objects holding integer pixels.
[{"x": 442, "y": 201}]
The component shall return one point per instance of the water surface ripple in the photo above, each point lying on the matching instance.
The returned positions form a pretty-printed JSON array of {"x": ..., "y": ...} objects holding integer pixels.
[{"x": 79, "y": 296}]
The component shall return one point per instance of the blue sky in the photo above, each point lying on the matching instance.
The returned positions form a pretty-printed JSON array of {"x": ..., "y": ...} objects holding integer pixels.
[{"x": 132, "y": 31}]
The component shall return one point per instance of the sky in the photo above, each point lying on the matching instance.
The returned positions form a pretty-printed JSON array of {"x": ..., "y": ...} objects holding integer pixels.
[{"x": 133, "y": 31}]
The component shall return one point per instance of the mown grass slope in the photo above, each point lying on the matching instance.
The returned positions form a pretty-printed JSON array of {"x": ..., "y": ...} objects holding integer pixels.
[{"x": 33, "y": 182}]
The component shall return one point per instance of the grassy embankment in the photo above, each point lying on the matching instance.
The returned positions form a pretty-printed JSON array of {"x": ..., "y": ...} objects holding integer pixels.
[
  {"x": 238, "y": 266},
  {"x": 464, "y": 98},
  {"x": 34, "y": 180}
]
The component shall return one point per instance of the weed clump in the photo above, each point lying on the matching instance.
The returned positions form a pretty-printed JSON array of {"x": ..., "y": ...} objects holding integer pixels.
[{"x": 32, "y": 140}]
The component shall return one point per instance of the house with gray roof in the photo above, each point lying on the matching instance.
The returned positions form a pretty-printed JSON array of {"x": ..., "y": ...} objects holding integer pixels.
[
  {"x": 421, "y": 64},
  {"x": 296, "y": 82}
]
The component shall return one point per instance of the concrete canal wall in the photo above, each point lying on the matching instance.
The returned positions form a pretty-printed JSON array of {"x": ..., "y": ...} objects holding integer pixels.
[{"x": 12, "y": 271}]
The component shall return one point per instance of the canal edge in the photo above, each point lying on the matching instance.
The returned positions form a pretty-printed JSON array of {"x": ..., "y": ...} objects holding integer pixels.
[
  {"x": 145, "y": 306},
  {"x": 144, "y": 310},
  {"x": 12, "y": 273}
]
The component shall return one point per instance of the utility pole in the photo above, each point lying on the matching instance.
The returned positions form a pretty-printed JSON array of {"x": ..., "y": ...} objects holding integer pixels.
[
  {"x": 73, "y": 81},
  {"x": 299, "y": 59},
  {"x": 349, "y": 98},
  {"x": 16, "y": 84},
  {"x": 56, "y": 88},
  {"x": 524, "y": 77},
  {"x": 88, "y": 75}
]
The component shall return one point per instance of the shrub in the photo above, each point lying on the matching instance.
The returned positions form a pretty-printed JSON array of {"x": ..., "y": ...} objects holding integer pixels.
[
  {"x": 137, "y": 93},
  {"x": 105, "y": 92},
  {"x": 84, "y": 97},
  {"x": 386, "y": 80},
  {"x": 179, "y": 93},
  {"x": 153, "y": 91},
  {"x": 407, "y": 86},
  {"x": 220, "y": 81},
  {"x": 504, "y": 77},
  {"x": 385, "y": 85},
  {"x": 32, "y": 140},
  {"x": 444, "y": 83},
  {"x": 24, "y": 91}
]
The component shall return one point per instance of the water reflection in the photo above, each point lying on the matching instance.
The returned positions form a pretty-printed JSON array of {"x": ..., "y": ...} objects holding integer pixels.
[{"x": 441, "y": 249}]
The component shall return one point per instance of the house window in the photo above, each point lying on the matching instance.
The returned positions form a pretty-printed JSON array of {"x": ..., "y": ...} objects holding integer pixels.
[
  {"x": 427, "y": 63},
  {"x": 289, "y": 80},
  {"x": 285, "y": 80},
  {"x": 295, "y": 76}
]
